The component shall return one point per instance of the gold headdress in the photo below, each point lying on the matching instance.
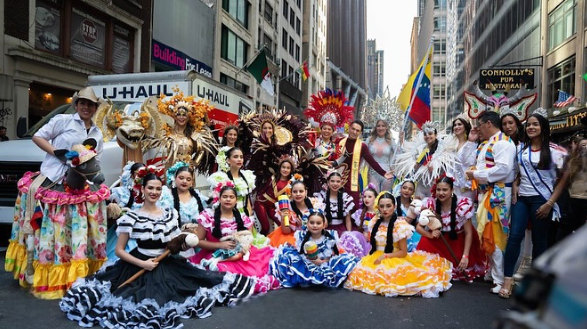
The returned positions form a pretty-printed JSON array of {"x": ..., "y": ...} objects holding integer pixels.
[{"x": 196, "y": 110}]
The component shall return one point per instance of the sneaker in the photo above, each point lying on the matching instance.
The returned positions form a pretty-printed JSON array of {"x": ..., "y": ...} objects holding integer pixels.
[
  {"x": 496, "y": 288},
  {"x": 523, "y": 268}
]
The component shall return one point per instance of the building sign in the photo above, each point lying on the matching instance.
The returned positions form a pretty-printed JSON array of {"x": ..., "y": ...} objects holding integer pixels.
[
  {"x": 121, "y": 49},
  {"x": 515, "y": 78},
  {"x": 138, "y": 92},
  {"x": 227, "y": 105},
  {"x": 177, "y": 60},
  {"x": 88, "y": 38},
  {"x": 570, "y": 121}
]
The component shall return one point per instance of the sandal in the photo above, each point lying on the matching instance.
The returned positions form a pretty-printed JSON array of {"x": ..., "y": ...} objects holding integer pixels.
[{"x": 507, "y": 288}]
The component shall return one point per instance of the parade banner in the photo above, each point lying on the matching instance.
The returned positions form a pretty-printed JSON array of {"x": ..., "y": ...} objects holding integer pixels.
[
  {"x": 501, "y": 78},
  {"x": 47, "y": 27}
]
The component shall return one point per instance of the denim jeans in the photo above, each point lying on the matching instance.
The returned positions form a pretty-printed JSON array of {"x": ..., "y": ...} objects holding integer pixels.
[{"x": 523, "y": 211}]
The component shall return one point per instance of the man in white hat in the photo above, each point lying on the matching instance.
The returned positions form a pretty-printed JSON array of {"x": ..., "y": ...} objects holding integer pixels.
[{"x": 65, "y": 130}]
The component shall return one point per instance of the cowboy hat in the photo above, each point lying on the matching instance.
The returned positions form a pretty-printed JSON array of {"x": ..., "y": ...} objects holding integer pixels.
[{"x": 86, "y": 93}]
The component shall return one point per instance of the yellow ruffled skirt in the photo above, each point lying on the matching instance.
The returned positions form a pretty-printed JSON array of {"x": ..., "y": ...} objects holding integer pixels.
[{"x": 418, "y": 274}]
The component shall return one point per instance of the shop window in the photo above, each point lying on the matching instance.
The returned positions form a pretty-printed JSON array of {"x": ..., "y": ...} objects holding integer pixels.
[
  {"x": 94, "y": 38},
  {"x": 238, "y": 9},
  {"x": 561, "y": 77},
  {"x": 561, "y": 23},
  {"x": 233, "y": 48}
]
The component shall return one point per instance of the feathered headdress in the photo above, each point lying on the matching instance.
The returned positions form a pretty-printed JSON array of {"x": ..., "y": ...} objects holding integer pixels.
[
  {"x": 430, "y": 126},
  {"x": 329, "y": 107},
  {"x": 196, "y": 111}
]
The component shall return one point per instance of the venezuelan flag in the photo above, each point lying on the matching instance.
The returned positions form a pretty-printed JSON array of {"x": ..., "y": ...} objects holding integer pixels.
[{"x": 418, "y": 89}]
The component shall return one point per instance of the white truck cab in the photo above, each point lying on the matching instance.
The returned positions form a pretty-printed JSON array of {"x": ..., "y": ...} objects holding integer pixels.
[{"x": 22, "y": 155}]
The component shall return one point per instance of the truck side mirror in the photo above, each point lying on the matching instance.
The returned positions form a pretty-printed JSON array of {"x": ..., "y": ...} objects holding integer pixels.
[{"x": 21, "y": 127}]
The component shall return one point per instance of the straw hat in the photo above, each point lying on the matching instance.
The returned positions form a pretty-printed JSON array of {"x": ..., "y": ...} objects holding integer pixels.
[
  {"x": 86, "y": 93},
  {"x": 85, "y": 155}
]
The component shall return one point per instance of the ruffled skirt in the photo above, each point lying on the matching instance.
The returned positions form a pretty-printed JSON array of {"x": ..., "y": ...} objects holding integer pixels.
[
  {"x": 477, "y": 260},
  {"x": 417, "y": 274},
  {"x": 256, "y": 267},
  {"x": 278, "y": 238},
  {"x": 354, "y": 242},
  {"x": 293, "y": 269},
  {"x": 69, "y": 243},
  {"x": 157, "y": 299}
]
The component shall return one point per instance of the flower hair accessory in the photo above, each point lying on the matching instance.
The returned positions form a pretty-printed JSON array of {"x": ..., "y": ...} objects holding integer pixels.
[
  {"x": 294, "y": 178},
  {"x": 171, "y": 172},
  {"x": 151, "y": 169},
  {"x": 221, "y": 158},
  {"x": 443, "y": 175},
  {"x": 216, "y": 192},
  {"x": 195, "y": 110}
]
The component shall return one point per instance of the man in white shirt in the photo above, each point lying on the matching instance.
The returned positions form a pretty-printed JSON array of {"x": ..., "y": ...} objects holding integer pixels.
[{"x": 494, "y": 174}]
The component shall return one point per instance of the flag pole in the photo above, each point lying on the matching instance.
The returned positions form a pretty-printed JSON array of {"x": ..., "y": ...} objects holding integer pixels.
[
  {"x": 250, "y": 60},
  {"x": 407, "y": 115}
]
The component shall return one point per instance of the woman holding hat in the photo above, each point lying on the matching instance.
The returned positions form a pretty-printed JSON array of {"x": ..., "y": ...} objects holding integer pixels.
[{"x": 67, "y": 238}]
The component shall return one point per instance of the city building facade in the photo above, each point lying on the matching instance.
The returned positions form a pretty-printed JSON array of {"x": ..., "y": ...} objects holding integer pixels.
[
  {"x": 290, "y": 26},
  {"x": 314, "y": 46},
  {"x": 375, "y": 65},
  {"x": 49, "y": 48}
]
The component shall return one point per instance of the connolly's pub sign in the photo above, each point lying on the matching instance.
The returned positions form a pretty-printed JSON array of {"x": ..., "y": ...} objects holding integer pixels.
[{"x": 503, "y": 77}]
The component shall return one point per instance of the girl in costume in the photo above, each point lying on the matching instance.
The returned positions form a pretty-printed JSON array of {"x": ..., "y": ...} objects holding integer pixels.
[
  {"x": 297, "y": 214},
  {"x": 315, "y": 259},
  {"x": 223, "y": 221},
  {"x": 366, "y": 213},
  {"x": 356, "y": 241},
  {"x": 169, "y": 289},
  {"x": 457, "y": 230},
  {"x": 188, "y": 139},
  {"x": 62, "y": 230},
  {"x": 188, "y": 201},
  {"x": 337, "y": 209},
  {"x": 337, "y": 204},
  {"x": 328, "y": 111},
  {"x": 466, "y": 152},
  {"x": 513, "y": 127},
  {"x": 403, "y": 201},
  {"x": 267, "y": 195},
  {"x": 128, "y": 196},
  {"x": 390, "y": 270},
  {"x": 381, "y": 147},
  {"x": 537, "y": 193},
  {"x": 425, "y": 159}
]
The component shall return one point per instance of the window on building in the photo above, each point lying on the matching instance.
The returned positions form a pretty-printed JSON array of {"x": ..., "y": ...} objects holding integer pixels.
[
  {"x": 285, "y": 9},
  {"x": 297, "y": 80},
  {"x": 440, "y": 24},
  {"x": 233, "y": 48},
  {"x": 91, "y": 47},
  {"x": 439, "y": 4},
  {"x": 298, "y": 26},
  {"x": 268, "y": 43},
  {"x": 283, "y": 68},
  {"x": 438, "y": 114},
  {"x": 290, "y": 74},
  {"x": 284, "y": 38},
  {"x": 268, "y": 12},
  {"x": 291, "y": 46},
  {"x": 238, "y": 9},
  {"x": 561, "y": 77},
  {"x": 292, "y": 18},
  {"x": 561, "y": 23},
  {"x": 438, "y": 91},
  {"x": 440, "y": 46},
  {"x": 225, "y": 79},
  {"x": 439, "y": 69},
  {"x": 297, "y": 53},
  {"x": 299, "y": 3}
]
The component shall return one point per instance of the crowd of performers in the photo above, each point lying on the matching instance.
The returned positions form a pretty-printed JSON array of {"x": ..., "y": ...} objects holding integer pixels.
[{"x": 290, "y": 204}]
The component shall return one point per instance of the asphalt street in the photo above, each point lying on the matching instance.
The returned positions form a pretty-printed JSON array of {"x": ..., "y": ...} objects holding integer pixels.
[{"x": 463, "y": 306}]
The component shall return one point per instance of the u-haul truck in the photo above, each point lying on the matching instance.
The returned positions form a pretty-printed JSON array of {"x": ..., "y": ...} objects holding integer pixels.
[{"x": 136, "y": 87}]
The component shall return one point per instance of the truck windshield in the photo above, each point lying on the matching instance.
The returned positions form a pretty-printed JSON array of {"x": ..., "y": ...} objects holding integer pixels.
[{"x": 63, "y": 109}]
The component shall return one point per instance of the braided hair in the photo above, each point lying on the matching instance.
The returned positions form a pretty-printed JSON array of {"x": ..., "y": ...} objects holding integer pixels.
[
  {"x": 240, "y": 173},
  {"x": 240, "y": 226},
  {"x": 453, "y": 208},
  {"x": 175, "y": 194},
  {"x": 294, "y": 207},
  {"x": 308, "y": 235},
  {"x": 327, "y": 211},
  {"x": 389, "y": 240}
]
